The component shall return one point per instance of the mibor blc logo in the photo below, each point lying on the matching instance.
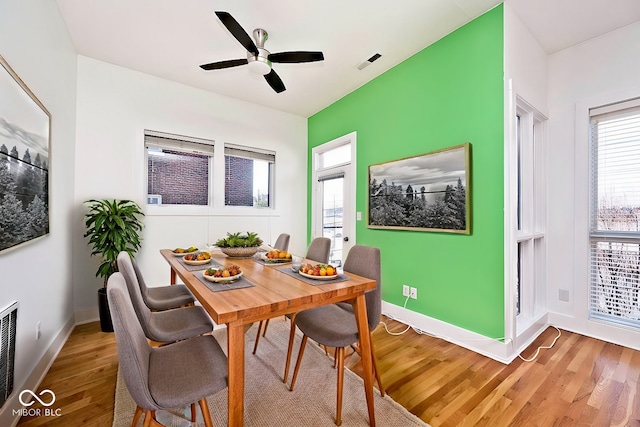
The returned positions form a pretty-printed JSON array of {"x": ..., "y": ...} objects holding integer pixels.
[{"x": 46, "y": 398}]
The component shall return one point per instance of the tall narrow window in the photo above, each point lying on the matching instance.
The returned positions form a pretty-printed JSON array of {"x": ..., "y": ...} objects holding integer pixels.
[
  {"x": 614, "y": 287},
  {"x": 248, "y": 176},
  {"x": 529, "y": 223},
  {"x": 178, "y": 169}
]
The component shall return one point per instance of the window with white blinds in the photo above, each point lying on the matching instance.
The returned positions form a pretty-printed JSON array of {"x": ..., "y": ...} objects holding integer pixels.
[
  {"x": 248, "y": 176},
  {"x": 615, "y": 213},
  {"x": 178, "y": 169}
]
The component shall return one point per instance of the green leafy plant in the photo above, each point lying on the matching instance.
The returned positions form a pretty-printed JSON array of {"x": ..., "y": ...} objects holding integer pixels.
[
  {"x": 112, "y": 226},
  {"x": 238, "y": 240}
]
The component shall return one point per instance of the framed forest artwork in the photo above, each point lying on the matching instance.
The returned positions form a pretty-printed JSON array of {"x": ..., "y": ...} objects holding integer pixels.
[
  {"x": 428, "y": 192},
  {"x": 24, "y": 162}
]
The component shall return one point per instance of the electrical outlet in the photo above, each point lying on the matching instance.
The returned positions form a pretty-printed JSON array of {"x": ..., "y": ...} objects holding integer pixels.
[
  {"x": 563, "y": 295},
  {"x": 413, "y": 293},
  {"x": 38, "y": 331},
  {"x": 405, "y": 290}
]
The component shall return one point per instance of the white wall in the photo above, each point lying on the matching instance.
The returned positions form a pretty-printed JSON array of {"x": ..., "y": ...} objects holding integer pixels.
[
  {"x": 597, "y": 72},
  {"x": 35, "y": 42},
  {"x": 115, "y": 105},
  {"x": 525, "y": 61}
]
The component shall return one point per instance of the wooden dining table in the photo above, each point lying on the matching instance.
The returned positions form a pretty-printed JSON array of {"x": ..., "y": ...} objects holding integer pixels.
[{"x": 274, "y": 294}]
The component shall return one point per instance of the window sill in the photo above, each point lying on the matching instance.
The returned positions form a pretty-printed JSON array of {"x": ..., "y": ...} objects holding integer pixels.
[{"x": 185, "y": 210}]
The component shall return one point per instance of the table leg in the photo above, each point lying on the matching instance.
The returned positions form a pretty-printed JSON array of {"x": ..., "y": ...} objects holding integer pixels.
[
  {"x": 235, "y": 351},
  {"x": 172, "y": 278},
  {"x": 360, "y": 308}
]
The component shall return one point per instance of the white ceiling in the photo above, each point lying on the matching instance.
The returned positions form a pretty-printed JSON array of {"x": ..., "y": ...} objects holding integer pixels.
[{"x": 171, "y": 38}]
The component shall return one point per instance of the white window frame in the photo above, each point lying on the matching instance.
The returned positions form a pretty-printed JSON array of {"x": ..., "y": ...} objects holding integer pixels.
[
  {"x": 525, "y": 243},
  {"x": 595, "y": 235},
  {"x": 253, "y": 153}
]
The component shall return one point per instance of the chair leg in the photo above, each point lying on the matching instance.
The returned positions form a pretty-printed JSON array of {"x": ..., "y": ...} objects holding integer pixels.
[
  {"x": 193, "y": 412},
  {"x": 297, "y": 368},
  {"x": 340, "y": 356},
  {"x": 255, "y": 346},
  {"x": 376, "y": 371},
  {"x": 136, "y": 416},
  {"x": 374, "y": 362},
  {"x": 292, "y": 335},
  {"x": 205, "y": 413},
  {"x": 149, "y": 416}
]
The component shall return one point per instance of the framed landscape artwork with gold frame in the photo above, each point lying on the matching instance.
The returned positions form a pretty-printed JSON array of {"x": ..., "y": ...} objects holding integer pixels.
[
  {"x": 428, "y": 192},
  {"x": 24, "y": 162}
]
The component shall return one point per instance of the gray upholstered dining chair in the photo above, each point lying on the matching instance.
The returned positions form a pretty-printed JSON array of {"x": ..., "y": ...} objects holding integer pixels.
[
  {"x": 282, "y": 242},
  {"x": 167, "y": 377},
  {"x": 319, "y": 250},
  {"x": 163, "y": 326},
  {"x": 334, "y": 326},
  {"x": 163, "y": 297}
]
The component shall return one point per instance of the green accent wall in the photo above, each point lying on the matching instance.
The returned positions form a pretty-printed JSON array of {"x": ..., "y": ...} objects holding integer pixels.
[{"x": 450, "y": 93}]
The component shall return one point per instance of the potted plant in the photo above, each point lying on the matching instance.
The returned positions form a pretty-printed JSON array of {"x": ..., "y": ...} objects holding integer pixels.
[
  {"x": 112, "y": 226},
  {"x": 238, "y": 245}
]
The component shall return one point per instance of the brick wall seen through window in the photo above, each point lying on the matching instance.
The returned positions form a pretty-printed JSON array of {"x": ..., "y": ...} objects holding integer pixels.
[
  {"x": 180, "y": 178},
  {"x": 238, "y": 189}
]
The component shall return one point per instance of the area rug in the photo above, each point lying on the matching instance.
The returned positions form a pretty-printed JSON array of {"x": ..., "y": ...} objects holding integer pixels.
[{"x": 268, "y": 401}]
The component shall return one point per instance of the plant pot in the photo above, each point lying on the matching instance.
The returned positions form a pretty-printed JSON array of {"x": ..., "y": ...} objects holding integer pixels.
[
  {"x": 247, "y": 252},
  {"x": 103, "y": 308}
]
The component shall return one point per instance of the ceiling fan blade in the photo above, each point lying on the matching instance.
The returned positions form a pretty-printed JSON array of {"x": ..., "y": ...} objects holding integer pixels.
[
  {"x": 237, "y": 31},
  {"x": 274, "y": 81},
  {"x": 295, "y": 57},
  {"x": 224, "y": 64}
]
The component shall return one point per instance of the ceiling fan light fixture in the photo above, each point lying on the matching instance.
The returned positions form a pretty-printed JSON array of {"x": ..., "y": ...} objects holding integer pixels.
[{"x": 259, "y": 65}]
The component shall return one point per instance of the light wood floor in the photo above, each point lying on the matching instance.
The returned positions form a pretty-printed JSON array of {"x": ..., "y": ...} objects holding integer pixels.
[{"x": 580, "y": 381}]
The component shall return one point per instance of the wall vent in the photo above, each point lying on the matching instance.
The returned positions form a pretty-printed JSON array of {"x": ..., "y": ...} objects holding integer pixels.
[
  {"x": 8, "y": 318},
  {"x": 367, "y": 62}
]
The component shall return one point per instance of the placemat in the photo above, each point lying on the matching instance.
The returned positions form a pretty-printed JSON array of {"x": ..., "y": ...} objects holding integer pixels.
[
  {"x": 288, "y": 271},
  {"x": 242, "y": 282},
  {"x": 198, "y": 267}
]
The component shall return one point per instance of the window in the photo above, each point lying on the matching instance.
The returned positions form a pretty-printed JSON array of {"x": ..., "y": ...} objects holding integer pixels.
[
  {"x": 180, "y": 171},
  {"x": 529, "y": 224},
  {"x": 248, "y": 176},
  {"x": 614, "y": 286}
]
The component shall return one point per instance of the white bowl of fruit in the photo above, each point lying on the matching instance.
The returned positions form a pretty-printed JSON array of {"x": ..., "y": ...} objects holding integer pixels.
[
  {"x": 222, "y": 274},
  {"x": 276, "y": 256},
  {"x": 318, "y": 271},
  {"x": 197, "y": 258}
]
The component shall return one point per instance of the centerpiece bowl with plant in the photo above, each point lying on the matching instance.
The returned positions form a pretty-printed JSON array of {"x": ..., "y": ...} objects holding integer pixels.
[{"x": 240, "y": 245}]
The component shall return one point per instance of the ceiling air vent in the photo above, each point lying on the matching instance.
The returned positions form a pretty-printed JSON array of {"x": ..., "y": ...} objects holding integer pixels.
[{"x": 366, "y": 62}]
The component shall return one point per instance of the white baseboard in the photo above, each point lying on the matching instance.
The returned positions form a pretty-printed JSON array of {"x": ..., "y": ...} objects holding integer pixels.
[
  {"x": 503, "y": 352},
  {"x": 86, "y": 316},
  {"x": 620, "y": 335},
  {"x": 12, "y": 405}
]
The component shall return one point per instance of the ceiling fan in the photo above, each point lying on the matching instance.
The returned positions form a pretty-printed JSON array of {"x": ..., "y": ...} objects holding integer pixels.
[{"x": 258, "y": 58}]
